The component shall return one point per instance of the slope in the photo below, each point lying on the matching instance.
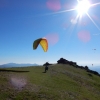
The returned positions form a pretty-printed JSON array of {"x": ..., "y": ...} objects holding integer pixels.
[{"x": 61, "y": 82}]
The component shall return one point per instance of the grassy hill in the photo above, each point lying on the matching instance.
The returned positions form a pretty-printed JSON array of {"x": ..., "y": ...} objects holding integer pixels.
[{"x": 61, "y": 82}]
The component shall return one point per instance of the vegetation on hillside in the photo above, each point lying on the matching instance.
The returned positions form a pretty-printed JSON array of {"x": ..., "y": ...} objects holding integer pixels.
[{"x": 61, "y": 82}]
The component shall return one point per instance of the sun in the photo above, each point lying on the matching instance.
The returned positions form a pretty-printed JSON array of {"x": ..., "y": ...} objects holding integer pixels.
[{"x": 83, "y": 7}]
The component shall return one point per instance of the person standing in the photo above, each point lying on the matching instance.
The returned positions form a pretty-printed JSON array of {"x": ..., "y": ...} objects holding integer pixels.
[{"x": 46, "y": 66}]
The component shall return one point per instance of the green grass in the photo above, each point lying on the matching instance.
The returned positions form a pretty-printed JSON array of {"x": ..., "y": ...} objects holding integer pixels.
[{"x": 61, "y": 82}]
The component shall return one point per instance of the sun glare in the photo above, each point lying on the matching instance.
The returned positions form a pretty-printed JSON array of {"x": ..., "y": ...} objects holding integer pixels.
[{"x": 83, "y": 7}]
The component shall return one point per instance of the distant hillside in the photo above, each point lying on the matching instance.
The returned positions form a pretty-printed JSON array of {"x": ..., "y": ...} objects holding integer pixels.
[{"x": 16, "y": 65}]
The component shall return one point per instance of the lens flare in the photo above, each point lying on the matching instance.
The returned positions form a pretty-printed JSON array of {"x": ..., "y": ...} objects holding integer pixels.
[
  {"x": 53, "y": 5},
  {"x": 52, "y": 38},
  {"x": 84, "y": 36}
]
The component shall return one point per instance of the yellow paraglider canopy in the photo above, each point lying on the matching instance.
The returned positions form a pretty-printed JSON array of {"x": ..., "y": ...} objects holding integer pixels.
[{"x": 43, "y": 42}]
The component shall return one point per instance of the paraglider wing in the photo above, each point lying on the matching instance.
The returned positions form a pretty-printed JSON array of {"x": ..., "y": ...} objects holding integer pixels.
[
  {"x": 36, "y": 43},
  {"x": 93, "y": 49},
  {"x": 43, "y": 42}
]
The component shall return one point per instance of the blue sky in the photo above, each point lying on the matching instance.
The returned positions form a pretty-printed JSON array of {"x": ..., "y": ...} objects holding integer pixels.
[{"x": 23, "y": 21}]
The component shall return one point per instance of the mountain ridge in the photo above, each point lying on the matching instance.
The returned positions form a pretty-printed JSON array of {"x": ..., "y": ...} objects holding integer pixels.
[{"x": 7, "y": 65}]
